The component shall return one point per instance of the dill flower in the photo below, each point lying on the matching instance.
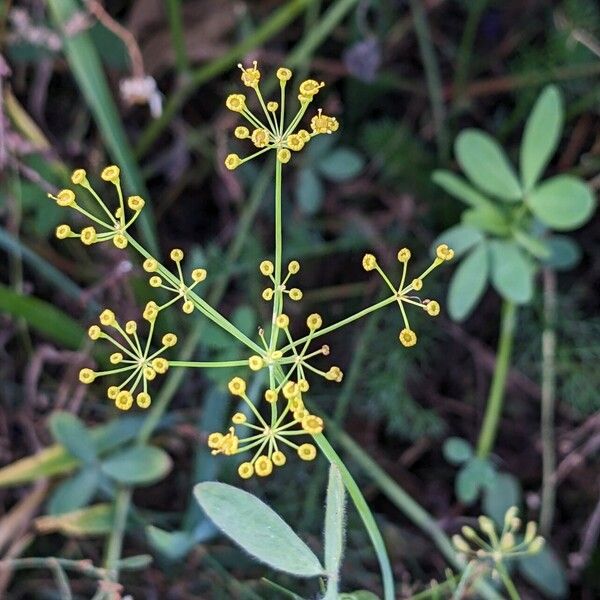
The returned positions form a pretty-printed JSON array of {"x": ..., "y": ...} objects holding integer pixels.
[
  {"x": 134, "y": 361},
  {"x": 107, "y": 224}
]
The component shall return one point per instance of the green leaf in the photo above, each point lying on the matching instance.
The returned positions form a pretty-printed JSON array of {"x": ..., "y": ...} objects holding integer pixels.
[
  {"x": 542, "y": 134},
  {"x": 341, "y": 164},
  {"x": 94, "y": 520},
  {"x": 461, "y": 189},
  {"x": 335, "y": 508},
  {"x": 486, "y": 165},
  {"x": 502, "y": 492},
  {"x": 535, "y": 247},
  {"x": 69, "y": 431},
  {"x": 563, "y": 202},
  {"x": 488, "y": 218},
  {"x": 512, "y": 273},
  {"x": 565, "y": 253},
  {"x": 138, "y": 465},
  {"x": 460, "y": 238},
  {"x": 545, "y": 571},
  {"x": 457, "y": 451},
  {"x": 309, "y": 191},
  {"x": 43, "y": 317},
  {"x": 259, "y": 530},
  {"x": 135, "y": 563},
  {"x": 468, "y": 283},
  {"x": 73, "y": 493},
  {"x": 472, "y": 478}
]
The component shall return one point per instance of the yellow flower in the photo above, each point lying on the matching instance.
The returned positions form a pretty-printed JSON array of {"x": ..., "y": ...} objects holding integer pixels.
[
  {"x": 266, "y": 267},
  {"x": 303, "y": 135},
  {"x": 321, "y": 123},
  {"x": 120, "y": 241},
  {"x": 408, "y": 337},
  {"x": 284, "y": 74},
  {"x": 246, "y": 470},
  {"x": 241, "y": 133},
  {"x": 135, "y": 202},
  {"x": 63, "y": 231},
  {"x": 369, "y": 262},
  {"x": 433, "y": 308},
  {"x": 334, "y": 374},
  {"x": 417, "y": 284},
  {"x": 267, "y": 294},
  {"x": 260, "y": 138},
  {"x": 215, "y": 440},
  {"x": 312, "y": 424},
  {"x": 236, "y": 102},
  {"x": 284, "y": 155},
  {"x": 151, "y": 311},
  {"x": 307, "y": 452},
  {"x": 282, "y": 321},
  {"x": 199, "y": 275},
  {"x": 314, "y": 321},
  {"x": 124, "y": 400},
  {"x": 404, "y": 255},
  {"x": 94, "y": 332},
  {"x": 237, "y": 386},
  {"x": 88, "y": 236},
  {"x": 169, "y": 340},
  {"x": 130, "y": 327},
  {"x": 256, "y": 363},
  {"x": 263, "y": 466},
  {"x": 87, "y": 376},
  {"x": 272, "y": 106},
  {"x": 111, "y": 173},
  {"x": 78, "y": 176},
  {"x": 155, "y": 281},
  {"x": 150, "y": 265},
  {"x": 232, "y": 161},
  {"x": 143, "y": 400},
  {"x": 310, "y": 87},
  {"x": 295, "y": 142},
  {"x": 271, "y": 396},
  {"x": 251, "y": 75},
  {"x": 107, "y": 318},
  {"x": 238, "y": 418},
  {"x": 176, "y": 255},
  {"x": 278, "y": 458},
  {"x": 65, "y": 198},
  {"x": 294, "y": 267},
  {"x": 443, "y": 252},
  {"x": 116, "y": 358},
  {"x": 296, "y": 294},
  {"x": 160, "y": 365}
]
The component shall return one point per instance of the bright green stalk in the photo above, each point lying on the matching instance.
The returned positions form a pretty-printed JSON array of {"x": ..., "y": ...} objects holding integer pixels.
[
  {"x": 495, "y": 401},
  {"x": 177, "y": 35},
  {"x": 115, "y": 541},
  {"x": 365, "y": 514},
  {"x": 508, "y": 582}
]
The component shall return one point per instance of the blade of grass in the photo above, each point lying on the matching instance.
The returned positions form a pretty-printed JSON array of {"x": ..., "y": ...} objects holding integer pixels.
[
  {"x": 87, "y": 70},
  {"x": 278, "y": 21}
]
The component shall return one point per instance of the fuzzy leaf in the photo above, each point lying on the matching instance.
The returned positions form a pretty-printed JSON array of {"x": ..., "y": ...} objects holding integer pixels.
[
  {"x": 69, "y": 431},
  {"x": 563, "y": 202},
  {"x": 138, "y": 465},
  {"x": 468, "y": 283},
  {"x": 542, "y": 133},
  {"x": 500, "y": 494},
  {"x": 73, "y": 493},
  {"x": 565, "y": 253},
  {"x": 486, "y": 165},
  {"x": 341, "y": 164},
  {"x": 258, "y": 529},
  {"x": 461, "y": 189},
  {"x": 474, "y": 476},
  {"x": 546, "y": 572},
  {"x": 457, "y": 451},
  {"x": 512, "y": 273},
  {"x": 335, "y": 509},
  {"x": 309, "y": 191}
]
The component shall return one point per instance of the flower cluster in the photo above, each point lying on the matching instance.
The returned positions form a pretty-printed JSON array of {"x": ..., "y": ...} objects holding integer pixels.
[
  {"x": 407, "y": 293},
  {"x": 133, "y": 360},
  {"x": 110, "y": 225},
  {"x": 270, "y": 132},
  {"x": 495, "y": 546},
  {"x": 268, "y": 438}
]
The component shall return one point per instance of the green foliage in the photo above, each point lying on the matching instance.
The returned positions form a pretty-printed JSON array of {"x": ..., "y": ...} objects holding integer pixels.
[
  {"x": 69, "y": 431},
  {"x": 457, "y": 451},
  {"x": 512, "y": 214},
  {"x": 257, "y": 529},
  {"x": 546, "y": 572},
  {"x": 334, "y": 534},
  {"x": 138, "y": 465},
  {"x": 90, "y": 521}
]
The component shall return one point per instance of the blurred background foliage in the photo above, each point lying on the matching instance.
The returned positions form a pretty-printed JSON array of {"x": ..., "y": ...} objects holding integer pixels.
[{"x": 403, "y": 78}]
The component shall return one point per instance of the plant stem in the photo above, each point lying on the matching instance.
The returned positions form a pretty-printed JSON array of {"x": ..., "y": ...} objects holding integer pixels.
[
  {"x": 177, "y": 35},
  {"x": 432, "y": 75},
  {"x": 508, "y": 582},
  {"x": 548, "y": 403},
  {"x": 115, "y": 541},
  {"x": 495, "y": 400},
  {"x": 365, "y": 514}
]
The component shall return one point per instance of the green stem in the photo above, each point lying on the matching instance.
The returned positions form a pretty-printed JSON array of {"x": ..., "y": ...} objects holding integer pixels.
[
  {"x": 432, "y": 75},
  {"x": 115, "y": 541},
  {"x": 495, "y": 401},
  {"x": 365, "y": 514},
  {"x": 508, "y": 582},
  {"x": 278, "y": 297},
  {"x": 548, "y": 404},
  {"x": 177, "y": 35}
]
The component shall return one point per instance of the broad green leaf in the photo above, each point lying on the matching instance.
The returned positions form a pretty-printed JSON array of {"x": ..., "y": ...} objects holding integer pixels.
[
  {"x": 43, "y": 317},
  {"x": 93, "y": 520},
  {"x": 535, "y": 247},
  {"x": 468, "y": 283},
  {"x": 565, "y": 253},
  {"x": 488, "y": 219},
  {"x": 309, "y": 191},
  {"x": 563, "y": 202},
  {"x": 138, "y": 465},
  {"x": 73, "y": 493},
  {"x": 69, "y": 431},
  {"x": 502, "y": 492},
  {"x": 546, "y": 572},
  {"x": 457, "y": 451},
  {"x": 340, "y": 164},
  {"x": 461, "y": 189},
  {"x": 542, "y": 133},
  {"x": 473, "y": 477},
  {"x": 335, "y": 508},
  {"x": 460, "y": 238},
  {"x": 511, "y": 272},
  {"x": 172, "y": 544},
  {"x": 486, "y": 165},
  {"x": 56, "y": 459},
  {"x": 258, "y": 529}
]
